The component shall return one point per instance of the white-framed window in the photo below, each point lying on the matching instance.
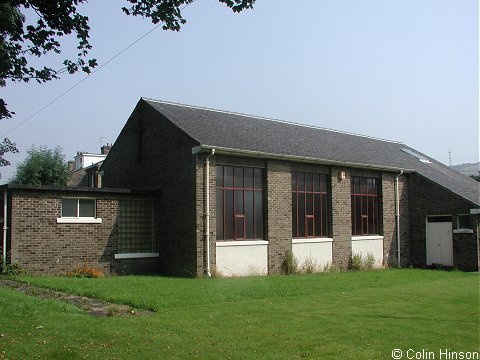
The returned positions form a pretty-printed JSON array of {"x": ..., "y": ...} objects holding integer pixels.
[
  {"x": 463, "y": 224},
  {"x": 78, "y": 210}
]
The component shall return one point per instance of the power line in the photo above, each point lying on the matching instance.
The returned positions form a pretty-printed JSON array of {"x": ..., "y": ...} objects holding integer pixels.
[{"x": 86, "y": 77}]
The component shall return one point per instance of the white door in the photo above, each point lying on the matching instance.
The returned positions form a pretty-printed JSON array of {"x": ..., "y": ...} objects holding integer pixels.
[{"x": 439, "y": 241}]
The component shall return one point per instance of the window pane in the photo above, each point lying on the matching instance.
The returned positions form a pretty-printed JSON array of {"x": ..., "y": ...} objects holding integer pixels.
[
  {"x": 370, "y": 187},
  {"x": 363, "y": 185},
  {"x": 219, "y": 176},
  {"x": 301, "y": 215},
  {"x": 249, "y": 178},
  {"x": 258, "y": 178},
  {"x": 228, "y": 214},
  {"x": 239, "y": 230},
  {"x": 464, "y": 222},
  {"x": 318, "y": 215},
  {"x": 69, "y": 207},
  {"x": 358, "y": 215},
  {"x": 86, "y": 208},
  {"x": 238, "y": 202},
  {"x": 249, "y": 214},
  {"x": 294, "y": 214},
  {"x": 301, "y": 181},
  {"x": 228, "y": 181},
  {"x": 309, "y": 226},
  {"x": 316, "y": 182},
  {"x": 219, "y": 214},
  {"x": 325, "y": 215},
  {"x": 238, "y": 177},
  {"x": 309, "y": 182},
  {"x": 371, "y": 227},
  {"x": 294, "y": 181},
  {"x": 309, "y": 204},
  {"x": 258, "y": 214},
  {"x": 375, "y": 186},
  {"x": 324, "y": 183}
]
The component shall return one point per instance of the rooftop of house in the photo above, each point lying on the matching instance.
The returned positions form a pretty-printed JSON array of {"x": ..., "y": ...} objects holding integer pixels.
[{"x": 229, "y": 132}]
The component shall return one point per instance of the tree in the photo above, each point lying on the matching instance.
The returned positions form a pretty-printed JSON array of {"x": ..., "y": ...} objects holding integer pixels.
[
  {"x": 43, "y": 166},
  {"x": 5, "y": 147},
  {"x": 20, "y": 42}
]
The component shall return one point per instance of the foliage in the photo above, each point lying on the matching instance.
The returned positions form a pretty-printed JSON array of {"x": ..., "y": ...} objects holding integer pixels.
[
  {"x": 356, "y": 315},
  {"x": 290, "y": 263},
  {"x": 43, "y": 166},
  {"x": 85, "y": 272},
  {"x": 309, "y": 266},
  {"x": 22, "y": 40},
  {"x": 475, "y": 177},
  {"x": 5, "y": 147},
  {"x": 358, "y": 262},
  {"x": 11, "y": 269}
]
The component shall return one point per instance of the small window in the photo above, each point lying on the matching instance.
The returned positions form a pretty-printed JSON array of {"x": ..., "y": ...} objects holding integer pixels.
[
  {"x": 463, "y": 222},
  {"x": 76, "y": 210}
]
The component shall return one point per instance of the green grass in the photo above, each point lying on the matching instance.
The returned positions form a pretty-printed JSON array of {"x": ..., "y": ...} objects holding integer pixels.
[{"x": 356, "y": 315}]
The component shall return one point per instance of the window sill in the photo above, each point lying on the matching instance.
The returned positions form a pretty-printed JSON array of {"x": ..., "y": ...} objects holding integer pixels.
[
  {"x": 85, "y": 220},
  {"x": 311, "y": 240},
  {"x": 463, "y": 231},
  {"x": 136, "y": 255},
  {"x": 367, "y": 237},
  {"x": 242, "y": 243}
]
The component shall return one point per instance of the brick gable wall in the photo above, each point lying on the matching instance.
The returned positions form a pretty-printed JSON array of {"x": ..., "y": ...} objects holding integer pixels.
[{"x": 167, "y": 164}]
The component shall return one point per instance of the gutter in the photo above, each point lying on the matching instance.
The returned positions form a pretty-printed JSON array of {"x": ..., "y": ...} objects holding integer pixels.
[
  {"x": 207, "y": 211},
  {"x": 304, "y": 159},
  {"x": 397, "y": 216}
]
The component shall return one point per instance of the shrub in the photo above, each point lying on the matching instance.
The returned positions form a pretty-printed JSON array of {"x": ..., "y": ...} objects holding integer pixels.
[
  {"x": 358, "y": 262},
  {"x": 85, "y": 272},
  {"x": 329, "y": 267},
  {"x": 310, "y": 266},
  {"x": 11, "y": 269},
  {"x": 290, "y": 263}
]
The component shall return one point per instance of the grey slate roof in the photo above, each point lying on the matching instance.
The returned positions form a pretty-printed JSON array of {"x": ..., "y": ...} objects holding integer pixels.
[{"x": 268, "y": 137}]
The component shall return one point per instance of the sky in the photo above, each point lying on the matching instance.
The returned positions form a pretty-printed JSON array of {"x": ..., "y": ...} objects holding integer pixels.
[{"x": 404, "y": 70}]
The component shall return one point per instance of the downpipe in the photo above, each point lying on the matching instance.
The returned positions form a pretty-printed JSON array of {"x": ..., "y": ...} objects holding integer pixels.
[
  {"x": 207, "y": 211},
  {"x": 397, "y": 217}
]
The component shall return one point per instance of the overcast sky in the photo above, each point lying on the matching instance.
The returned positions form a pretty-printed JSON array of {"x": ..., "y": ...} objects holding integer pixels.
[{"x": 405, "y": 70}]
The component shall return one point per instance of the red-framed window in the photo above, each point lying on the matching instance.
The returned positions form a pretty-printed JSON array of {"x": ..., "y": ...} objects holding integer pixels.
[
  {"x": 365, "y": 209},
  {"x": 310, "y": 205},
  {"x": 239, "y": 203}
]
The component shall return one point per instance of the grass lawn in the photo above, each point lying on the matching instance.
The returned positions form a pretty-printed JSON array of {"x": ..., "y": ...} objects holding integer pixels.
[{"x": 355, "y": 315}]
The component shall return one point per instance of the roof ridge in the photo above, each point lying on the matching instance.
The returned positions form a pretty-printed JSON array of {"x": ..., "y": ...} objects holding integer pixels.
[{"x": 271, "y": 119}]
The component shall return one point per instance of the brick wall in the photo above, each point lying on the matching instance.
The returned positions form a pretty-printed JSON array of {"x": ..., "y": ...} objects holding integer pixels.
[
  {"x": 341, "y": 217},
  {"x": 166, "y": 163},
  {"x": 389, "y": 223},
  {"x": 428, "y": 198},
  {"x": 279, "y": 213},
  {"x": 41, "y": 246}
]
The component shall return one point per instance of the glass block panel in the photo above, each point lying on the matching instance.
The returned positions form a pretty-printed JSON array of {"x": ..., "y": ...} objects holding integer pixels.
[{"x": 136, "y": 226}]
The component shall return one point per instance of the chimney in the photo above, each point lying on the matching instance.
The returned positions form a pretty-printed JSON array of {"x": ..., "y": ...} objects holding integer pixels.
[
  {"x": 71, "y": 165},
  {"x": 105, "y": 149}
]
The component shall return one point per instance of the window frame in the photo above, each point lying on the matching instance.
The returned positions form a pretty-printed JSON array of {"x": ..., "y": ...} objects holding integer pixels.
[
  {"x": 78, "y": 219},
  {"x": 323, "y": 200},
  {"x": 227, "y": 184},
  {"x": 359, "y": 196},
  {"x": 463, "y": 230}
]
